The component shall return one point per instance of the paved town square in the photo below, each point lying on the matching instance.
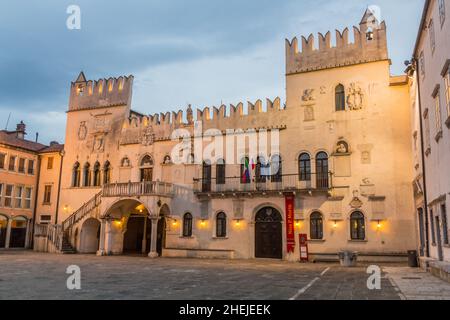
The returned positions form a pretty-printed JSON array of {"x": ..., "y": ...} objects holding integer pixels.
[{"x": 27, "y": 275}]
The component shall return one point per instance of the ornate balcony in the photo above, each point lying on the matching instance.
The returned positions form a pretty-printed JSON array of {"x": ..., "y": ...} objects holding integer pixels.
[
  {"x": 135, "y": 189},
  {"x": 310, "y": 183}
]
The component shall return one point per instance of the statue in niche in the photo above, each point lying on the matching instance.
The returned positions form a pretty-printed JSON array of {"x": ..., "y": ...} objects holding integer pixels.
[
  {"x": 126, "y": 162},
  {"x": 148, "y": 136},
  {"x": 99, "y": 144},
  {"x": 355, "y": 98},
  {"x": 167, "y": 160},
  {"x": 342, "y": 147},
  {"x": 308, "y": 95},
  {"x": 309, "y": 113},
  {"x": 82, "y": 131}
]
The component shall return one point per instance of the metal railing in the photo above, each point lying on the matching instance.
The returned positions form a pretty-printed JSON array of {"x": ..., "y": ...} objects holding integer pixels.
[
  {"x": 84, "y": 210},
  {"x": 133, "y": 189},
  {"x": 282, "y": 183}
]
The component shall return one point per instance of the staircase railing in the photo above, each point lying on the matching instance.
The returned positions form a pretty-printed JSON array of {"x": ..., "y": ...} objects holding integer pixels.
[
  {"x": 55, "y": 235},
  {"x": 84, "y": 210}
]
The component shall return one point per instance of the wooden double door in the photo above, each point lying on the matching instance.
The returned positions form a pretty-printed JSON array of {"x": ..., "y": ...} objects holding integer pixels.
[{"x": 268, "y": 234}]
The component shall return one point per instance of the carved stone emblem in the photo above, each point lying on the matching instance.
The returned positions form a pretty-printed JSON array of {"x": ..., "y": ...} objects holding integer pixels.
[
  {"x": 148, "y": 136},
  {"x": 308, "y": 95},
  {"x": 82, "y": 131},
  {"x": 356, "y": 203},
  {"x": 355, "y": 98},
  {"x": 309, "y": 113},
  {"x": 99, "y": 143}
]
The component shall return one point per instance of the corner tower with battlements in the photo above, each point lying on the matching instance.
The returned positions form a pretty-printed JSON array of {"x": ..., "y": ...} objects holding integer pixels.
[{"x": 370, "y": 44}]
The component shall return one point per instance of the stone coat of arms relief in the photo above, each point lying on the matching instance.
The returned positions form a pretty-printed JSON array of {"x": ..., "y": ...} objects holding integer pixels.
[{"x": 355, "y": 97}]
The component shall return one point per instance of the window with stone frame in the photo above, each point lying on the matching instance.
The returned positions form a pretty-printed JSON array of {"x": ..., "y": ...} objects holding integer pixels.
[
  {"x": 357, "y": 226},
  {"x": 47, "y": 194},
  {"x": 437, "y": 110},
  {"x": 442, "y": 12},
  {"x": 340, "y": 97},
  {"x": 28, "y": 193},
  {"x": 432, "y": 35},
  {"x": 12, "y": 163},
  {"x": 187, "y": 225},
  {"x": 316, "y": 226},
  {"x": 444, "y": 224},
  {"x": 2, "y": 160},
  {"x": 220, "y": 172},
  {"x": 1, "y": 194},
  {"x": 50, "y": 163},
  {"x": 422, "y": 64},
  {"x": 31, "y": 167},
  {"x": 426, "y": 121},
  {"x": 447, "y": 91},
  {"x": 8, "y": 195},
  {"x": 221, "y": 225},
  {"x": 18, "y": 197},
  {"x": 433, "y": 231},
  {"x": 21, "y": 168}
]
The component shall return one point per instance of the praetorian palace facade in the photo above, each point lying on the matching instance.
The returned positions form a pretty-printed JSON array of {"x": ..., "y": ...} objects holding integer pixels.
[{"x": 345, "y": 176}]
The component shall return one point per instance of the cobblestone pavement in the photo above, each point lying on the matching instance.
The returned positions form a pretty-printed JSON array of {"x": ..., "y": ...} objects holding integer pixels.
[
  {"x": 416, "y": 284},
  {"x": 28, "y": 275}
]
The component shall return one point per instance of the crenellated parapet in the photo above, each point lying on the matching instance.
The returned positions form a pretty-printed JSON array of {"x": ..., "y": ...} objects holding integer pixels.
[
  {"x": 88, "y": 94},
  {"x": 147, "y": 129},
  {"x": 370, "y": 44}
]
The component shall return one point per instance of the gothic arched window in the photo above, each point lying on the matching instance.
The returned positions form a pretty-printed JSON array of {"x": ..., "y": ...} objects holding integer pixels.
[
  {"x": 187, "y": 225},
  {"x": 107, "y": 173},
  {"x": 97, "y": 182},
  {"x": 221, "y": 225},
  {"x": 357, "y": 226},
  {"x": 87, "y": 175},
  {"x": 340, "y": 97},
  {"x": 76, "y": 173},
  {"x": 316, "y": 226},
  {"x": 304, "y": 167}
]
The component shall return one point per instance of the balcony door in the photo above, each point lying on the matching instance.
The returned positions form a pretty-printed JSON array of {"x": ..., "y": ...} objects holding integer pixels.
[
  {"x": 146, "y": 169},
  {"x": 206, "y": 177},
  {"x": 322, "y": 170}
]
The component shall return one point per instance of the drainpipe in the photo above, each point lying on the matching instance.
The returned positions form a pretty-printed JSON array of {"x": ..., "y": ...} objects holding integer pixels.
[
  {"x": 59, "y": 186},
  {"x": 424, "y": 180},
  {"x": 38, "y": 172}
]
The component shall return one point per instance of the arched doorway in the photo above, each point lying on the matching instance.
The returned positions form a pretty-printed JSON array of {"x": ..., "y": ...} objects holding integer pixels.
[
  {"x": 18, "y": 232},
  {"x": 137, "y": 237},
  {"x": 268, "y": 234},
  {"x": 162, "y": 225},
  {"x": 89, "y": 236},
  {"x": 3, "y": 228}
]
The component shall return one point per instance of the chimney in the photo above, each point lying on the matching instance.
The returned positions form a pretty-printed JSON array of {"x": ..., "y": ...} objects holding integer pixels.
[{"x": 20, "y": 130}]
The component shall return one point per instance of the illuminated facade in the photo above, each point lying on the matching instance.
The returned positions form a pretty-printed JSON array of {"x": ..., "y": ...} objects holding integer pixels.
[{"x": 342, "y": 177}]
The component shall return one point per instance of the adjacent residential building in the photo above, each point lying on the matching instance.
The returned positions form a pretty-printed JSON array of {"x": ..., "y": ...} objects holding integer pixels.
[
  {"x": 335, "y": 170},
  {"x": 20, "y": 162},
  {"x": 430, "y": 98}
]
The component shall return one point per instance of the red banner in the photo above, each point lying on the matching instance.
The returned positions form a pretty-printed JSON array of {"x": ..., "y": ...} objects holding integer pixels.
[{"x": 290, "y": 229}]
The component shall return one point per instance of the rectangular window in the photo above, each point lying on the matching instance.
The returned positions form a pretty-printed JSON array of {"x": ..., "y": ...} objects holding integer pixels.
[
  {"x": 422, "y": 64},
  {"x": 8, "y": 195},
  {"x": 45, "y": 219},
  {"x": 437, "y": 105},
  {"x": 50, "y": 163},
  {"x": 12, "y": 163},
  {"x": 31, "y": 167},
  {"x": 432, "y": 36},
  {"x": 1, "y": 194},
  {"x": 447, "y": 91},
  {"x": 21, "y": 165},
  {"x": 47, "y": 194},
  {"x": 2, "y": 160},
  {"x": 426, "y": 121},
  {"x": 444, "y": 224},
  {"x": 442, "y": 12},
  {"x": 18, "y": 197},
  {"x": 433, "y": 231},
  {"x": 28, "y": 193}
]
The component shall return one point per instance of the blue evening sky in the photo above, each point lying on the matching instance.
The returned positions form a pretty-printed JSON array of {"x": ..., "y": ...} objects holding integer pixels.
[{"x": 202, "y": 52}]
